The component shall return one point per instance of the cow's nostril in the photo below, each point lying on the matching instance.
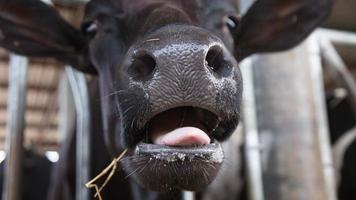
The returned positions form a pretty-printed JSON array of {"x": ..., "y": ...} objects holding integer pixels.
[
  {"x": 217, "y": 62},
  {"x": 142, "y": 67}
]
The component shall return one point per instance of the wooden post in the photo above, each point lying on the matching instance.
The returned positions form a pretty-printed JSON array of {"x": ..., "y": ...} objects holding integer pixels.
[{"x": 15, "y": 127}]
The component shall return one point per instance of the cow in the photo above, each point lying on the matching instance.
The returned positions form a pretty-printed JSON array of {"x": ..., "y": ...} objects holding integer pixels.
[{"x": 167, "y": 77}]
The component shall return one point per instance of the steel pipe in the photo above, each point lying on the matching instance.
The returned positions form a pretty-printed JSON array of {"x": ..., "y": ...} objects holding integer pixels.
[
  {"x": 334, "y": 63},
  {"x": 292, "y": 125},
  {"x": 338, "y": 37},
  {"x": 321, "y": 121},
  {"x": 81, "y": 100},
  {"x": 251, "y": 138},
  {"x": 15, "y": 127},
  {"x": 188, "y": 195}
]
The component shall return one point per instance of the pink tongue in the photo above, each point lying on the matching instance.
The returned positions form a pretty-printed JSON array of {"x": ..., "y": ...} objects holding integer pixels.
[{"x": 183, "y": 136}]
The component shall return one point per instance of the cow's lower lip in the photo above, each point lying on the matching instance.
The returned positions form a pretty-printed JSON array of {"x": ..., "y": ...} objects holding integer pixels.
[
  {"x": 210, "y": 152},
  {"x": 188, "y": 167}
]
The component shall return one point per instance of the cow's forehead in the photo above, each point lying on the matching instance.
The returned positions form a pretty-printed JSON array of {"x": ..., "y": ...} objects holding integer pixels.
[
  {"x": 145, "y": 16},
  {"x": 140, "y": 17}
]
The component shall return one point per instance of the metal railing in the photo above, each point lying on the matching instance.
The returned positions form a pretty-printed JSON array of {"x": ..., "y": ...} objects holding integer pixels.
[
  {"x": 15, "y": 127},
  {"x": 81, "y": 100}
]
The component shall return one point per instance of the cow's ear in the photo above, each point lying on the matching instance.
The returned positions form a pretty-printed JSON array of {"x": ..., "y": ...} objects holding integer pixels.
[
  {"x": 32, "y": 28},
  {"x": 276, "y": 25}
]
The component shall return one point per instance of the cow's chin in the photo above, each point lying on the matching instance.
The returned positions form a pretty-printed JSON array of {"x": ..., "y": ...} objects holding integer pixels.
[
  {"x": 179, "y": 151},
  {"x": 165, "y": 168}
]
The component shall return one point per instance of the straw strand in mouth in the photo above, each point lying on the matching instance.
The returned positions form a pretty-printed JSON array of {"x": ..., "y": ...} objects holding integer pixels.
[{"x": 111, "y": 168}]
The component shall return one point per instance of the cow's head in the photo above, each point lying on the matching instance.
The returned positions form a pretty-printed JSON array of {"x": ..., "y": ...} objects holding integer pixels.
[{"x": 168, "y": 71}]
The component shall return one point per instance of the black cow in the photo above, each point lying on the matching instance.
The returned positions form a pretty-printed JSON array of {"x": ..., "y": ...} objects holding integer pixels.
[{"x": 168, "y": 76}]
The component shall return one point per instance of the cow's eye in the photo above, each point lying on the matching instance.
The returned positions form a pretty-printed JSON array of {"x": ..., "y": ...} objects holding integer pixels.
[
  {"x": 90, "y": 28},
  {"x": 231, "y": 21}
]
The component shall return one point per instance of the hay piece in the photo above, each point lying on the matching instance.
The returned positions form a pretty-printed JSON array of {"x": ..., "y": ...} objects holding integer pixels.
[{"x": 112, "y": 168}]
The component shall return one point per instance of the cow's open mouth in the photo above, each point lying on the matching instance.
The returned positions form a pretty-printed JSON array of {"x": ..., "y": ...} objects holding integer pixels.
[
  {"x": 182, "y": 126},
  {"x": 179, "y": 150}
]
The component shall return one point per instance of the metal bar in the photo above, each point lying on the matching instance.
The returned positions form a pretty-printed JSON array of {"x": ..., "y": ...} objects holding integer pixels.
[
  {"x": 339, "y": 150},
  {"x": 188, "y": 195},
  {"x": 338, "y": 68},
  {"x": 15, "y": 127},
  {"x": 81, "y": 100},
  {"x": 290, "y": 129},
  {"x": 66, "y": 108},
  {"x": 338, "y": 37},
  {"x": 250, "y": 128},
  {"x": 251, "y": 137},
  {"x": 321, "y": 116}
]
